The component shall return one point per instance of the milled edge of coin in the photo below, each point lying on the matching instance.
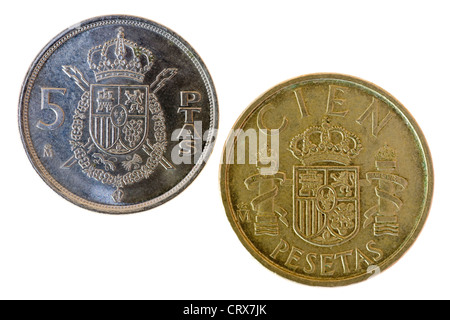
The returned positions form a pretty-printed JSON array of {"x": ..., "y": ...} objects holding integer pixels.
[
  {"x": 40, "y": 61},
  {"x": 413, "y": 127}
]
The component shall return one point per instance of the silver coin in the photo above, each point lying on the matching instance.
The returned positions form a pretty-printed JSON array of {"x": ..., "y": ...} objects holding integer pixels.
[{"x": 118, "y": 114}]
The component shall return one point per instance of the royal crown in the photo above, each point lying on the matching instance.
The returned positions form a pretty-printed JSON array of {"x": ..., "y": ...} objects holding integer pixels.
[
  {"x": 120, "y": 57},
  {"x": 326, "y": 143},
  {"x": 386, "y": 153}
]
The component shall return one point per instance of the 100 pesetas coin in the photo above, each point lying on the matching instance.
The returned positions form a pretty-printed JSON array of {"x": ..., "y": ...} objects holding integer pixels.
[
  {"x": 118, "y": 114},
  {"x": 326, "y": 179}
]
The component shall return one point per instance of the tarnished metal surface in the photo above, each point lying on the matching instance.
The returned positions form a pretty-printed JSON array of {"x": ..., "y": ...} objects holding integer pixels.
[{"x": 326, "y": 179}]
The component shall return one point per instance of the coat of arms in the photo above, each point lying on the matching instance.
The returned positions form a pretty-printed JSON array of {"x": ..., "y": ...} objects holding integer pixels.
[
  {"x": 118, "y": 134},
  {"x": 118, "y": 117},
  {"x": 326, "y": 187}
]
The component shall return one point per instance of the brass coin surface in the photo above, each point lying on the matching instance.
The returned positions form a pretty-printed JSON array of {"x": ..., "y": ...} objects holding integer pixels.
[{"x": 326, "y": 179}]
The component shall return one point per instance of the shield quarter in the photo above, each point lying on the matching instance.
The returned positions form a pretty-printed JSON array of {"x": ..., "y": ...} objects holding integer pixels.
[
  {"x": 118, "y": 122},
  {"x": 326, "y": 204}
]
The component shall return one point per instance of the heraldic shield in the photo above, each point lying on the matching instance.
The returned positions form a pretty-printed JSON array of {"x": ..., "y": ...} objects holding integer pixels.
[
  {"x": 118, "y": 121},
  {"x": 326, "y": 204}
]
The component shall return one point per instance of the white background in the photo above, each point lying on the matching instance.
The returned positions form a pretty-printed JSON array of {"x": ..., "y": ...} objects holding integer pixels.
[{"x": 186, "y": 249}]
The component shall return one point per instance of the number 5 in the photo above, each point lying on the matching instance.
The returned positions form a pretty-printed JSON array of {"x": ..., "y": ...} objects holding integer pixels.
[{"x": 45, "y": 104}]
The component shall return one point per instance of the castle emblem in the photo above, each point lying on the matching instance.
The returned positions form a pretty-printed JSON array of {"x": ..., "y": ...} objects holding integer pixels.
[{"x": 326, "y": 186}]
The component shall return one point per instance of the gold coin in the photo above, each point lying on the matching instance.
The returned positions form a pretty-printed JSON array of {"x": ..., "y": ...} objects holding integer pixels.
[{"x": 326, "y": 179}]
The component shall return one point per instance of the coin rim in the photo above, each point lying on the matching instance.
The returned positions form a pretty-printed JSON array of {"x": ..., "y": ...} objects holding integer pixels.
[
  {"x": 409, "y": 240},
  {"x": 41, "y": 59}
]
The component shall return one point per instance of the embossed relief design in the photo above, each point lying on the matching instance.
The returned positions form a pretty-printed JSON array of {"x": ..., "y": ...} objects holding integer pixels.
[
  {"x": 268, "y": 215},
  {"x": 323, "y": 214},
  {"x": 348, "y": 204},
  {"x": 388, "y": 185},
  {"x": 48, "y": 151},
  {"x": 326, "y": 187},
  {"x": 118, "y": 117},
  {"x": 267, "y": 212},
  {"x": 326, "y": 196},
  {"x": 118, "y": 126}
]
